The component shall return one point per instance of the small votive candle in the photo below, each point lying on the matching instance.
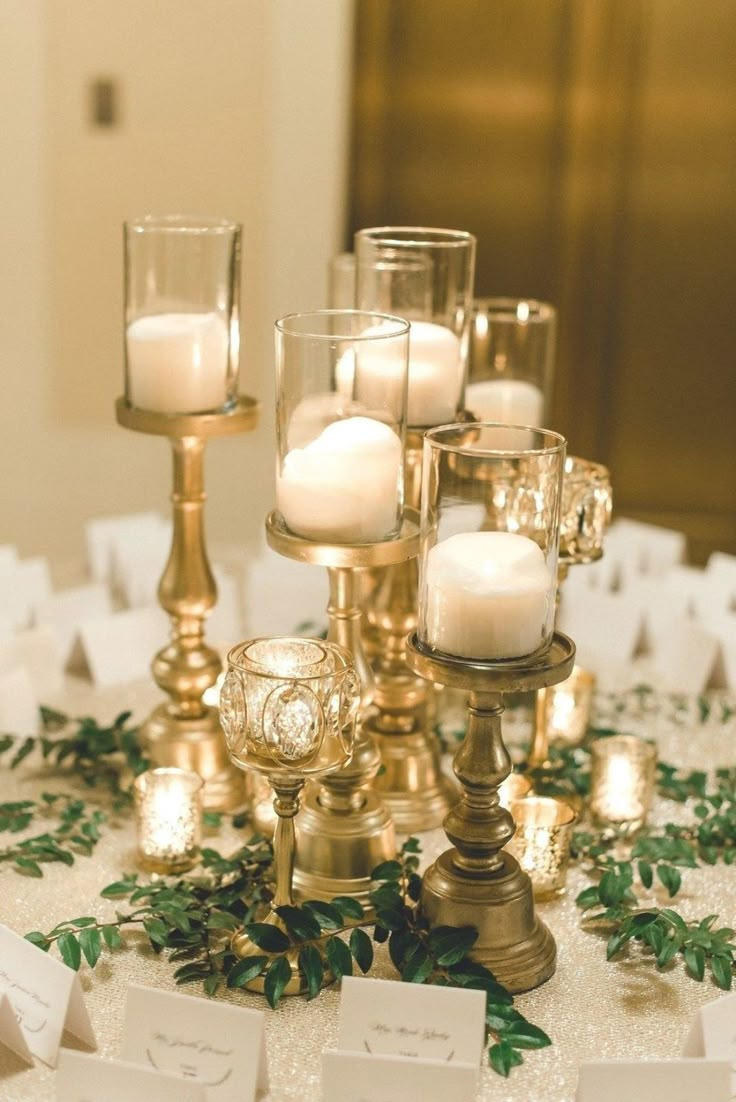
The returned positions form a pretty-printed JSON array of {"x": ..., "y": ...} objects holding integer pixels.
[
  {"x": 622, "y": 775},
  {"x": 168, "y": 806},
  {"x": 515, "y": 787},
  {"x": 568, "y": 708},
  {"x": 541, "y": 844}
]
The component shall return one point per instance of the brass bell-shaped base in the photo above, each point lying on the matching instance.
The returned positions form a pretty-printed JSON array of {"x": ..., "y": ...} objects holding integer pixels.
[{"x": 412, "y": 784}]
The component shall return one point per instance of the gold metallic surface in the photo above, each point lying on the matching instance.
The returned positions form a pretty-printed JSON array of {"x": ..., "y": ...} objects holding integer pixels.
[
  {"x": 185, "y": 732},
  {"x": 478, "y": 883}
]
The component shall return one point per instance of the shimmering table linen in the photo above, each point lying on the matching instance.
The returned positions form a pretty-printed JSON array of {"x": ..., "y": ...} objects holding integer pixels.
[{"x": 592, "y": 1009}]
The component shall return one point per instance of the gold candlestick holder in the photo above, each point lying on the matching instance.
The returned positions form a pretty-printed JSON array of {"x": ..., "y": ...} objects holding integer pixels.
[
  {"x": 184, "y": 732},
  {"x": 344, "y": 828},
  {"x": 478, "y": 883}
]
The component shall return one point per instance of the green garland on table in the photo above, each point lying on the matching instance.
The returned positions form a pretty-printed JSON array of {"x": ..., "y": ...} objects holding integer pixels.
[{"x": 193, "y": 918}]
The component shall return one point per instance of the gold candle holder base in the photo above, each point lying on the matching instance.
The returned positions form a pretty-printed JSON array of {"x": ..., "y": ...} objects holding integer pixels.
[
  {"x": 344, "y": 829},
  {"x": 185, "y": 732},
  {"x": 477, "y": 883}
]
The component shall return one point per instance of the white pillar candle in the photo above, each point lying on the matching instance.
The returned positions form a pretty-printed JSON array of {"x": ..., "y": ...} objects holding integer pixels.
[
  {"x": 435, "y": 372},
  {"x": 488, "y": 595},
  {"x": 178, "y": 363},
  {"x": 510, "y": 401},
  {"x": 344, "y": 485}
]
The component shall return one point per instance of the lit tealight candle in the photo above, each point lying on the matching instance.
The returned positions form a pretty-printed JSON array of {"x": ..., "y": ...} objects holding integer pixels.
[
  {"x": 168, "y": 819},
  {"x": 568, "y": 707},
  {"x": 344, "y": 485},
  {"x": 515, "y": 787},
  {"x": 541, "y": 844},
  {"x": 487, "y": 595},
  {"x": 510, "y": 401},
  {"x": 622, "y": 775},
  {"x": 178, "y": 362}
]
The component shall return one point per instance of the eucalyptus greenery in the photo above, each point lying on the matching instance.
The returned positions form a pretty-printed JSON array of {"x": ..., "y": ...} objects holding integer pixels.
[{"x": 192, "y": 920}]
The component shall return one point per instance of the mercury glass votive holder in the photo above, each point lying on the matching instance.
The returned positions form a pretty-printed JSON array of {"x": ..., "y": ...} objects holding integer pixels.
[
  {"x": 541, "y": 844},
  {"x": 568, "y": 707},
  {"x": 490, "y": 529},
  {"x": 182, "y": 292},
  {"x": 168, "y": 810},
  {"x": 516, "y": 787},
  {"x": 622, "y": 780},
  {"x": 511, "y": 364},
  {"x": 341, "y": 422}
]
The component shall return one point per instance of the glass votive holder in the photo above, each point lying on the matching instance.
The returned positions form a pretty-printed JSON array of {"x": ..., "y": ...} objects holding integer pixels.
[
  {"x": 568, "y": 707},
  {"x": 622, "y": 779},
  {"x": 168, "y": 809},
  {"x": 341, "y": 422},
  {"x": 517, "y": 786},
  {"x": 511, "y": 364},
  {"x": 182, "y": 290},
  {"x": 587, "y": 503},
  {"x": 490, "y": 528},
  {"x": 426, "y": 276},
  {"x": 541, "y": 844}
]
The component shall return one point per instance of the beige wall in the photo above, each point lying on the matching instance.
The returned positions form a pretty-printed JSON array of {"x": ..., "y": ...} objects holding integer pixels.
[{"x": 232, "y": 107}]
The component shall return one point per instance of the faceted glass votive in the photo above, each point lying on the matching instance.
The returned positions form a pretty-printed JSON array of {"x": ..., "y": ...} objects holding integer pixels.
[
  {"x": 341, "y": 422},
  {"x": 622, "y": 779},
  {"x": 541, "y": 844},
  {"x": 426, "y": 276},
  {"x": 515, "y": 787},
  {"x": 490, "y": 528},
  {"x": 182, "y": 336},
  {"x": 512, "y": 354},
  {"x": 568, "y": 708},
  {"x": 168, "y": 808},
  {"x": 587, "y": 502},
  {"x": 289, "y": 706}
]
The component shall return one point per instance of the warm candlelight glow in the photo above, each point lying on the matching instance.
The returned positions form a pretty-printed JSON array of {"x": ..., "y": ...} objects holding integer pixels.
[
  {"x": 622, "y": 779},
  {"x": 568, "y": 708},
  {"x": 541, "y": 843},
  {"x": 515, "y": 787},
  {"x": 168, "y": 819}
]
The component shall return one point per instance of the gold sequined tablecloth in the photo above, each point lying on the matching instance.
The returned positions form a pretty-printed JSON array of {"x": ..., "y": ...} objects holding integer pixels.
[{"x": 592, "y": 1009}]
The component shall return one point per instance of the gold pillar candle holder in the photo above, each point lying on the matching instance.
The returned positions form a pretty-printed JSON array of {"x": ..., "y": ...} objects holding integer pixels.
[
  {"x": 622, "y": 779},
  {"x": 288, "y": 709},
  {"x": 541, "y": 842},
  {"x": 168, "y": 812},
  {"x": 344, "y": 828},
  {"x": 514, "y": 789}
]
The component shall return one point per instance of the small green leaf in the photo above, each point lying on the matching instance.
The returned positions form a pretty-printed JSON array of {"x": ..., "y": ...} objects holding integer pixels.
[
  {"x": 348, "y": 907},
  {"x": 503, "y": 1058},
  {"x": 312, "y": 965},
  {"x": 671, "y": 878},
  {"x": 28, "y": 867},
  {"x": 119, "y": 888},
  {"x": 301, "y": 924},
  {"x": 645, "y": 873},
  {"x": 277, "y": 977},
  {"x": 362, "y": 949},
  {"x": 339, "y": 957},
  {"x": 387, "y": 870},
  {"x": 588, "y": 897},
  {"x": 695, "y": 961},
  {"x": 70, "y": 950},
  {"x": 417, "y": 966},
  {"x": 267, "y": 937},
  {"x": 90, "y": 941},
  {"x": 245, "y": 971},
  {"x": 37, "y": 938},
  {"x": 157, "y": 930},
  {"x": 525, "y": 1035},
  {"x": 112, "y": 937},
  {"x": 219, "y": 920},
  {"x": 450, "y": 944},
  {"x": 328, "y": 916},
  {"x": 211, "y": 983}
]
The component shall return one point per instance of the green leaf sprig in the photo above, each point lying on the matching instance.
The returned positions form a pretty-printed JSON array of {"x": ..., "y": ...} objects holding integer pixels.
[{"x": 76, "y": 831}]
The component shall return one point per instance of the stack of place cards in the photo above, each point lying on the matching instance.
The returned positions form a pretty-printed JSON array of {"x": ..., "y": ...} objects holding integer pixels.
[
  {"x": 45, "y": 997},
  {"x": 655, "y": 1081},
  {"x": 85, "y": 1078},
  {"x": 404, "y": 1042},
  {"x": 220, "y": 1048}
]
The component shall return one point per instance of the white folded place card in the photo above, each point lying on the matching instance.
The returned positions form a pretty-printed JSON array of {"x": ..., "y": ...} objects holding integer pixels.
[
  {"x": 722, "y": 569},
  {"x": 102, "y": 532},
  {"x": 390, "y": 1018},
  {"x": 66, "y": 611},
  {"x": 281, "y": 594},
  {"x": 46, "y": 996},
  {"x": 37, "y": 649},
  {"x": 19, "y": 705},
  {"x": 685, "y": 657},
  {"x": 655, "y": 1081},
  {"x": 22, "y": 586},
  {"x": 83, "y": 1078},
  {"x": 11, "y": 1035},
  {"x": 141, "y": 543},
  {"x": 651, "y": 548},
  {"x": 119, "y": 648},
  {"x": 713, "y": 1032},
  {"x": 357, "y": 1077},
  {"x": 222, "y": 1048},
  {"x": 8, "y": 556},
  {"x": 603, "y": 625}
]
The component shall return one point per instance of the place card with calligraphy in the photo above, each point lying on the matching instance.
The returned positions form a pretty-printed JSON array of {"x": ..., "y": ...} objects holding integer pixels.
[
  {"x": 713, "y": 1032},
  {"x": 84, "y": 1078},
  {"x": 220, "y": 1047},
  {"x": 46, "y": 997},
  {"x": 11, "y": 1035},
  {"x": 655, "y": 1081}
]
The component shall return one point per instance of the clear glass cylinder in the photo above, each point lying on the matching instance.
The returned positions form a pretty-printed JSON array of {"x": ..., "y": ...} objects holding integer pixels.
[
  {"x": 622, "y": 777},
  {"x": 289, "y": 706},
  {"x": 182, "y": 336},
  {"x": 426, "y": 276},
  {"x": 511, "y": 361},
  {"x": 341, "y": 424},
  {"x": 490, "y": 531},
  {"x": 341, "y": 282},
  {"x": 541, "y": 843},
  {"x": 168, "y": 808}
]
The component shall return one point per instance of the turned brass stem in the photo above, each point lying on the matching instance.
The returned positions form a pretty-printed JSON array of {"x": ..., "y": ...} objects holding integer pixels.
[
  {"x": 286, "y": 805},
  {"x": 344, "y": 617}
]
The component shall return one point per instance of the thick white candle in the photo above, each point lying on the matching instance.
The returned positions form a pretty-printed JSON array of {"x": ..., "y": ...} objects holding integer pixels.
[
  {"x": 435, "y": 372},
  {"x": 178, "y": 363},
  {"x": 510, "y": 401},
  {"x": 487, "y": 595},
  {"x": 344, "y": 485}
]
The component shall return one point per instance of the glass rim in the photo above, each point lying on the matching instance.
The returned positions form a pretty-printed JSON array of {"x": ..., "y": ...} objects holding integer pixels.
[
  {"x": 182, "y": 224},
  {"x": 613, "y": 742},
  {"x": 506, "y": 307},
  {"x": 431, "y": 437},
  {"x": 398, "y": 327},
  {"x": 192, "y": 780},
  {"x": 564, "y": 813},
  {"x": 417, "y": 236},
  {"x": 238, "y": 660}
]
